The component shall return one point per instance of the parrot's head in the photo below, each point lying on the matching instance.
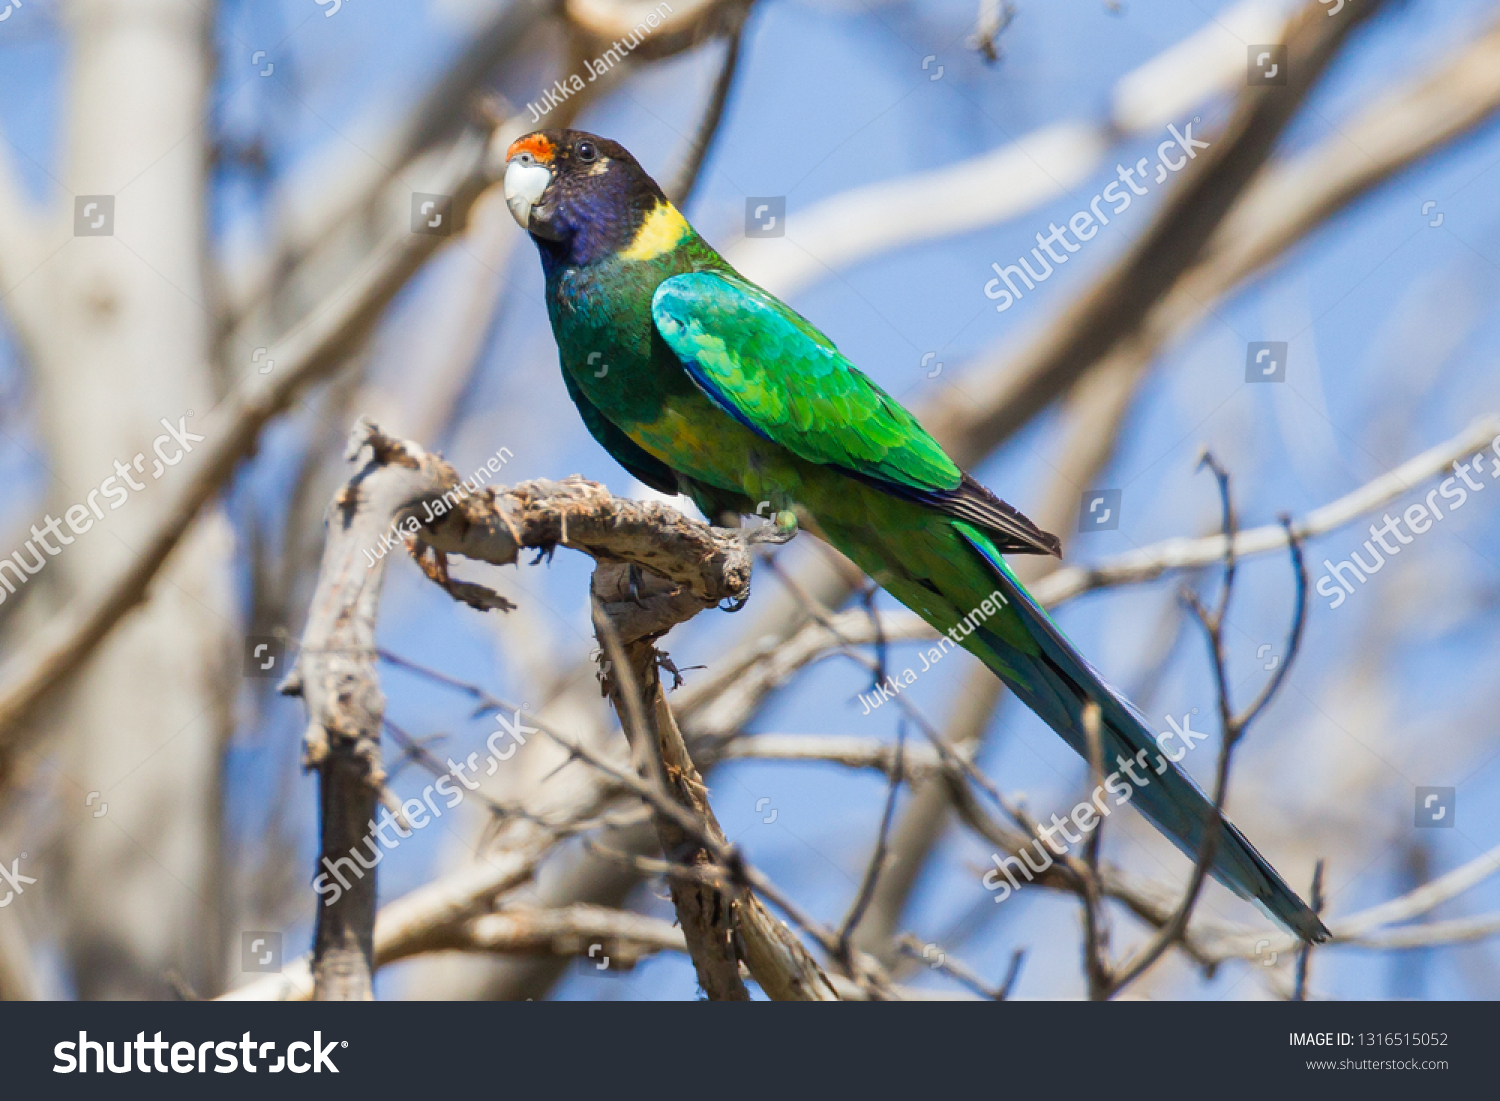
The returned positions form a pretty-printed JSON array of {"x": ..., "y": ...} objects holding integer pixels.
[{"x": 580, "y": 197}]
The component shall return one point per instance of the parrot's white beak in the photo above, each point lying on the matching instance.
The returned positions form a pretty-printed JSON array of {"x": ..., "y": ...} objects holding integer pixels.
[{"x": 525, "y": 180}]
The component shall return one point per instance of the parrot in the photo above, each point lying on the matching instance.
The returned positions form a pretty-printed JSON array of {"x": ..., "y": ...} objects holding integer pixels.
[{"x": 700, "y": 383}]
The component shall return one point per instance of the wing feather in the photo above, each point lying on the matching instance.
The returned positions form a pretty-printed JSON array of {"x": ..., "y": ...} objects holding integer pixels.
[{"x": 768, "y": 368}]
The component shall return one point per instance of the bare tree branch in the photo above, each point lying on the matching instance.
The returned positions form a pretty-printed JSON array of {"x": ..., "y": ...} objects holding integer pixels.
[
  {"x": 914, "y": 763},
  {"x": 1304, "y": 957},
  {"x": 704, "y": 910},
  {"x": 692, "y": 567},
  {"x": 866, "y": 892},
  {"x": 939, "y": 960},
  {"x": 686, "y": 181},
  {"x": 689, "y": 23}
]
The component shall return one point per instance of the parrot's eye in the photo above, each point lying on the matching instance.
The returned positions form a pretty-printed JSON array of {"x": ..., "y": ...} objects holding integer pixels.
[{"x": 586, "y": 152}]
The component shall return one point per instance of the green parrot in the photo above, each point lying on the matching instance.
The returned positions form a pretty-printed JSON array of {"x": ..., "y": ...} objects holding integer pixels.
[{"x": 699, "y": 382}]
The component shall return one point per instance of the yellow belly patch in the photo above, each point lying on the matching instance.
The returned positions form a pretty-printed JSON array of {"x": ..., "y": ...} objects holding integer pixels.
[{"x": 661, "y": 232}]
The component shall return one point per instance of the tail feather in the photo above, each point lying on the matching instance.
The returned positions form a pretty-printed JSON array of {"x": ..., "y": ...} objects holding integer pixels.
[{"x": 1057, "y": 682}]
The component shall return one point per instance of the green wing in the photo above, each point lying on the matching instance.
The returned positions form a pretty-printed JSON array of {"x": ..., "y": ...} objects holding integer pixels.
[{"x": 773, "y": 372}]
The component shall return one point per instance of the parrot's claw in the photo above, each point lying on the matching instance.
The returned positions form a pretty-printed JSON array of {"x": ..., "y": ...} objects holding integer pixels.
[
  {"x": 781, "y": 529},
  {"x": 634, "y": 574},
  {"x": 665, "y": 662},
  {"x": 736, "y": 604}
]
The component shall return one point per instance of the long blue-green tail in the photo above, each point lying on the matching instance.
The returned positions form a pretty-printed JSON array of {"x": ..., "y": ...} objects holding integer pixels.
[{"x": 1056, "y": 682}]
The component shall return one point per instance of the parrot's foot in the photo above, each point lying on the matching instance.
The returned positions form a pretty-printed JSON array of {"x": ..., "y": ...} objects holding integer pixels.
[
  {"x": 736, "y": 604},
  {"x": 665, "y": 662},
  {"x": 781, "y": 529}
]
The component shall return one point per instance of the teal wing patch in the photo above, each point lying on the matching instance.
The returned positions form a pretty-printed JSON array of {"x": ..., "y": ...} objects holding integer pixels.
[{"x": 769, "y": 369}]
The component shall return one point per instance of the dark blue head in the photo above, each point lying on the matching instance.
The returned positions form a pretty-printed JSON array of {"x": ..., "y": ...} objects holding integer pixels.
[{"x": 582, "y": 198}]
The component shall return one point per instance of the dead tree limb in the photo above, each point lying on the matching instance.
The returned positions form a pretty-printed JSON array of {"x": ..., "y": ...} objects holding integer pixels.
[
  {"x": 720, "y": 926},
  {"x": 656, "y": 568}
]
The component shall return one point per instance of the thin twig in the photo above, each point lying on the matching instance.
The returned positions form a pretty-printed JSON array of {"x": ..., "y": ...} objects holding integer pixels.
[
  {"x": 1304, "y": 957},
  {"x": 994, "y": 17},
  {"x": 1232, "y": 726},
  {"x": 713, "y": 117},
  {"x": 877, "y": 857},
  {"x": 1096, "y": 936},
  {"x": 1012, "y": 974},
  {"x": 1294, "y": 640},
  {"x": 940, "y": 960}
]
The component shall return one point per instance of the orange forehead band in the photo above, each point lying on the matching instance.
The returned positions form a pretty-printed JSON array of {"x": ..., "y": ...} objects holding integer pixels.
[{"x": 535, "y": 144}]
